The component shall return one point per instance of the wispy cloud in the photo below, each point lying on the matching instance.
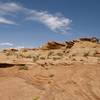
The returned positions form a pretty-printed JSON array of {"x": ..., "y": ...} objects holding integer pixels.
[
  {"x": 7, "y": 9},
  {"x": 6, "y": 44},
  {"x": 6, "y": 21},
  {"x": 54, "y": 22},
  {"x": 10, "y": 8}
]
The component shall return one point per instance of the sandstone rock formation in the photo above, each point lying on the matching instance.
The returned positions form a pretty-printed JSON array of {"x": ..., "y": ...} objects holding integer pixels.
[
  {"x": 93, "y": 39},
  {"x": 52, "y": 45},
  {"x": 56, "y": 71}
]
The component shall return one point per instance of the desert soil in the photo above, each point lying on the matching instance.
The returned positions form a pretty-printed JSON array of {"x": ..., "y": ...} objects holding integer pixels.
[{"x": 61, "y": 82}]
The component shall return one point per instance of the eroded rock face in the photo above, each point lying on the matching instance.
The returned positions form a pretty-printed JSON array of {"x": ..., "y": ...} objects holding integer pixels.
[
  {"x": 52, "y": 45},
  {"x": 93, "y": 39},
  {"x": 69, "y": 44},
  {"x": 52, "y": 73}
]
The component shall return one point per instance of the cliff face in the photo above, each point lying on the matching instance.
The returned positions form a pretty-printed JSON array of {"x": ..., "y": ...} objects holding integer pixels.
[{"x": 56, "y": 71}]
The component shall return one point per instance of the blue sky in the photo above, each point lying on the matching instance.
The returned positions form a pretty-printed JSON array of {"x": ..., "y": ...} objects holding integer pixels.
[{"x": 30, "y": 23}]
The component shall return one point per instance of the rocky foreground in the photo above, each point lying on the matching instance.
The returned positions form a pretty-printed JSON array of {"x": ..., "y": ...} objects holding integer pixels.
[{"x": 55, "y": 71}]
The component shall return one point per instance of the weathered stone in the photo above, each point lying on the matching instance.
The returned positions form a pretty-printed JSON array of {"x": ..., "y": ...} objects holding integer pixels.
[{"x": 52, "y": 45}]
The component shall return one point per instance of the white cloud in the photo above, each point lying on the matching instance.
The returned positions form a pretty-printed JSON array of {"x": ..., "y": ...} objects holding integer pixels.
[
  {"x": 9, "y": 7},
  {"x": 6, "y": 21},
  {"x": 54, "y": 22},
  {"x": 6, "y": 44}
]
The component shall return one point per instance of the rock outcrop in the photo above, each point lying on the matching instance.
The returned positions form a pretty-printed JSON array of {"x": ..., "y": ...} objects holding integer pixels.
[
  {"x": 52, "y": 45},
  {"x": 56, "y": 71},
  {"x": 69, "y": 44},
  {"x": 93, "y": 39}
]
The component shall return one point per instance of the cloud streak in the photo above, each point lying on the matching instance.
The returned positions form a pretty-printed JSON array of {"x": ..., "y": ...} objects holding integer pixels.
[
  {"x": 54, "y": 22},
  {"x": 6, "y": 21},
  {"x": 6, "y": 8},
  {"x": 6, "y": 44}
]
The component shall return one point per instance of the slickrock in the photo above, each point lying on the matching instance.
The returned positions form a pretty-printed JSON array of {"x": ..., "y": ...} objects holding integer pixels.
[{"x": 56, "y": 71}]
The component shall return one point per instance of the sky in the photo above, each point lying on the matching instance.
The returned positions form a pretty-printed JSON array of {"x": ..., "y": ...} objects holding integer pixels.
[{"x": 31, "y": 23}]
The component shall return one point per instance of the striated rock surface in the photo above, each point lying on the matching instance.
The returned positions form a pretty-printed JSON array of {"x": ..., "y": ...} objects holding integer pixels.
[{"x": 56, "y": 71}]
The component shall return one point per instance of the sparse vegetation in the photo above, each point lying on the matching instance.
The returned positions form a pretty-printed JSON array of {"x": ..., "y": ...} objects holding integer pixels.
[
  {"x": 21, "y": 55},
  {"x": 23, "y": 67},
  {"x": 35, "y": 58},
  {"x": 49, "y": 54},
  {"x": 56, "y": 58},
  {"x": 28, "y": 56},
  {"x": 36, "y": 98},
  {"x": 42, "y": 58},
  {"x": 60, "y": 54}
]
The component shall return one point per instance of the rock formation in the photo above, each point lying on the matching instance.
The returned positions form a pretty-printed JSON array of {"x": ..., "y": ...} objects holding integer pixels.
[
  {"x": 52, "y": 45},
  {"x": 56, "y": 71}
]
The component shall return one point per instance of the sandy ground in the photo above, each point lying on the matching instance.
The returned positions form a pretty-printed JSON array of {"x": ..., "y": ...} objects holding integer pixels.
[{"x": 62, "y": 82}]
